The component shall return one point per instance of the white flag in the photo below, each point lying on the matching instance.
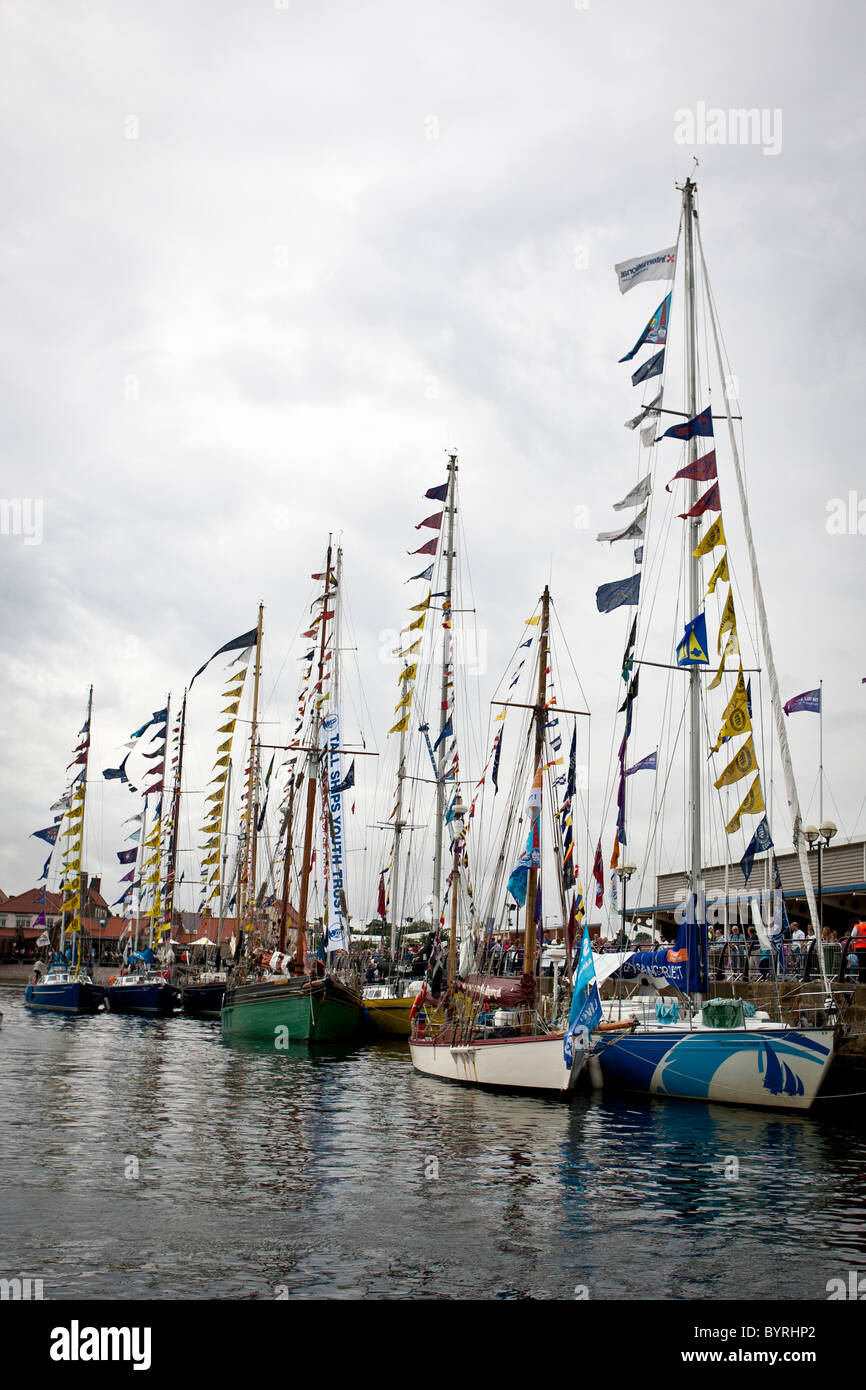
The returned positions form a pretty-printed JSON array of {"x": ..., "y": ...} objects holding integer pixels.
[
  {"x": 651, "y": 409},
  {"x": 634, "y": 531},
  {"x": 658, "y": 266},
  {"x": 639, "y": 493},
  {"x": 648, "y": 435}
]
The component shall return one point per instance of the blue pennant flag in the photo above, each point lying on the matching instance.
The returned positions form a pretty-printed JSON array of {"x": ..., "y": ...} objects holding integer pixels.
[
  {"x": 438, "y": 494},
  {"x": 447, "y": 731},
  {"x": 656, "y": 330},
  {"x": 49, "y": 834},
  {"x": 619, "y": 592},
  {"x": 690, "y": 429},
  {"x": 425, "y": 574},
  {"x": 692, "y": 650},
  {"x": 760, "y": 841},
  {"x": 654, "y": 366},
  {"x": 810, "y": 700},
  {"x": 349, "y": 779},
  {"x": 112, "y": 772}
]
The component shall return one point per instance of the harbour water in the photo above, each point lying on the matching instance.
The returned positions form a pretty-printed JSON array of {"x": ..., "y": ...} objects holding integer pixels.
[{"x": 148, "y": 1159}]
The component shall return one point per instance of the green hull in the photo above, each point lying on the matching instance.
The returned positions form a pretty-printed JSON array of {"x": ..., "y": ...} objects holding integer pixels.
[{"x": 318, "y": 1011}]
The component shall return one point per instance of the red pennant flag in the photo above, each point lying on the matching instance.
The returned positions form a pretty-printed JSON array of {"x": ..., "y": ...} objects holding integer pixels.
[
  {"x": 598, "y": 875},
  {"x": 428, "y": 549},
  {"x": 702, "y": 470},
  {"x": 380, "y": 906},
  {"x": 434, "y": 521},
  {"x": 710, "y": 502}
]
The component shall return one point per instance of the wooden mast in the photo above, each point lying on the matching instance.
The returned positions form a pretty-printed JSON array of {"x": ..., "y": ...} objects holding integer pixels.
[
  {"x": 540, "y": 716},
  {"x": 312, "y": 781},
  {"x": 249, "y": 874},
  {"x": 287, "y": 866},
  {"x": 171, "y": 867}
]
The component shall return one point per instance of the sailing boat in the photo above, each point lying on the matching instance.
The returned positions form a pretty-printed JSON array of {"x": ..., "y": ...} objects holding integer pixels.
[
  {"x": 515, "y": 1048},
  {"x": 716, "y": 1052},
  {"x": 389, "y": 1005},
  {"x": 67, "y": 987},
  {"x": 298, "y": 1000},
  {"x": 141, "y": 988}
]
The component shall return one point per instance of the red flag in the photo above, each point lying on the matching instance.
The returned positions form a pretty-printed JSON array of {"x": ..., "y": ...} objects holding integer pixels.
[
  {"x": 428, "y": 549},
  {"x": 434, "y": 521},
  {"x": 702, "y": 470},
  {"x": 571, "y": 929},
  {"x": 380, "y": 907},
  {"x": 598, "y": 875},
  {"x": 710, "y": 502}
]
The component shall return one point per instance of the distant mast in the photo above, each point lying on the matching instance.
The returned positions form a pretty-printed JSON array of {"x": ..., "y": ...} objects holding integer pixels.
[
  {"x": 450, "y": 509},
  {"x": 529, "y": 933}
]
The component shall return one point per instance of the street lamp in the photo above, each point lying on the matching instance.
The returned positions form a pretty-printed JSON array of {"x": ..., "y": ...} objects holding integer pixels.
[
  {"x": 820, "y": 837},
  {"x": 625, "y": 872},
  {"x": 457, "y": 814}
]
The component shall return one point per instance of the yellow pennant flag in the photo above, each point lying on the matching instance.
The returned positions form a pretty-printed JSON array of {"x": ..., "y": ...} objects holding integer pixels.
[
  {"x": 752, "y": 804},
  {"x": 533, "y": 622},
  {"x": 225, "y": 747},
  {"x": 401, "y": 726},
  {"x": 228, "y": 728},
  {"x": 732, "y": 649},
  {"x": 418, "y": 623},
  {"x": 500, "y": 716},
  {"x": 223, "y": 761},
  {"x": 231, "y": 709},
  {"x": 729, "y": 619},
  {"x": 735, "y": 719},
  {"x": 422, "y": 607},
  {"x": 720, "y": 573},
  {"x": 415, "y": 647},
  {"x": 742, "y": 763},
  {"x": 405, "y": 702},
  {"x": 408, "y": 673},
  {"x": 233, "y": 694},
  {"x": 713, "y": 537}
]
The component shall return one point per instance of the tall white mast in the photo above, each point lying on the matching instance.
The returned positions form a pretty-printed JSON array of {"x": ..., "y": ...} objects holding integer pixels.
[{"x": 450, "y": 509}]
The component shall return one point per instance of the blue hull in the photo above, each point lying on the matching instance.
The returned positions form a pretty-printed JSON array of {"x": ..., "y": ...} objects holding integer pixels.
[
  {"x": 204, "y": 1001},
  {"x": 75, "y": 997},
  {"x": 151, "y": 999},
  {"x": 782, "y": 1069}
]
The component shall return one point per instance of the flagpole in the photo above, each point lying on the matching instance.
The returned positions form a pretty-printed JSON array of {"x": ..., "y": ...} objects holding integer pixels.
[
  {"x": 820, "y": 752},
  {"x": 451, "y": 508},
  {"x": 693, "y": 541}
]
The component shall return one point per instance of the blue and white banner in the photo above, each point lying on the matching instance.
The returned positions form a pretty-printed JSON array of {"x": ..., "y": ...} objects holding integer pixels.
[
  {"x": 338, "y": 927},
  {"x": 585, "y": 1011}
]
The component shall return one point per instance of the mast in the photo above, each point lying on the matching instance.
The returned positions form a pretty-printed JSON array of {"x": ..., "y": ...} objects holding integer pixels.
[
  {"x": 81, "y": 891},
  {"x": 532, "y": 887},
  {"x": 451, "y": 510},
  {"x": 224, "y": 829},
  {"x": 772, "y": 676},
  {"x": 157, "y": 902},
  {"x": 399, "y": 825},
  {"x": 171, "y": 866},
  {"x": 312, "y": 777},
  {"x": 694, "y": 571},
  {"x": 287, "y": 866},
  {"x": 247, "y": 888}
]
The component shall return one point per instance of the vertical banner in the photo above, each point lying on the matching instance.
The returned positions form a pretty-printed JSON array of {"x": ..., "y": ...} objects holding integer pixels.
[{"x": 338, "y": 928}]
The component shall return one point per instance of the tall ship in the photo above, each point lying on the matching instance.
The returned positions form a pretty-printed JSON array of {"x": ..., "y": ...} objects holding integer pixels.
[
  {"x": 66, "y": 986},
  {"x": 295, "y": 992}
]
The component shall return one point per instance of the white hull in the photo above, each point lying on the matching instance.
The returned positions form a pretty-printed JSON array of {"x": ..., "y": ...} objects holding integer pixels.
[{"x": 522, "y": 1063}]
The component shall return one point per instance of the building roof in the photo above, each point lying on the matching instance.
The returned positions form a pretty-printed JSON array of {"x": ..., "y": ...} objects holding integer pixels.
[{"x": 30, "y": 901}]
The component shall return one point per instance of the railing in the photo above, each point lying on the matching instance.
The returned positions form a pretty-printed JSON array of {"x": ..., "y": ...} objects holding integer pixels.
[{"x": 748, "y": 960}]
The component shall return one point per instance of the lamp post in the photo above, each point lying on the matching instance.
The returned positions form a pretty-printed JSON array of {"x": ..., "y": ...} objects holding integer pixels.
[
  {"x": 458, "y": 814},
  {"x": 625, "y": 872},
  {"x": 820, "y": 837}
]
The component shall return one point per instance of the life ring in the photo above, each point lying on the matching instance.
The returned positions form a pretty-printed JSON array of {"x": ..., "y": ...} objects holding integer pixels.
[
  {"x": 615, "y": 1025},
  {"x": 111, "y": 979},
  {"x": 419, "y": 1000}
]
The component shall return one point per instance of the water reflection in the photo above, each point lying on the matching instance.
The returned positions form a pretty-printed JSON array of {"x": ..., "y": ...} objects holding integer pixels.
[{"x": 342, "y": 1173}]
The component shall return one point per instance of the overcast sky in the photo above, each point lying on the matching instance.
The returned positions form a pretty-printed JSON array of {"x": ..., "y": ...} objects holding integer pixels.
[{"x": 263, "y": 264}]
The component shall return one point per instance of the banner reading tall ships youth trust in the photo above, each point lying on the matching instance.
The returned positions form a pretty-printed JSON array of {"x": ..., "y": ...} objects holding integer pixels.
[{"x": 338, "y": 927}]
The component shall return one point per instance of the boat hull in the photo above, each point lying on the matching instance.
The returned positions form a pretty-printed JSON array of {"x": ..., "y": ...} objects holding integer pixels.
[
  {"x": 782, "y": 1069},
  {"x": 390, "y": 1016},
  {"x": 71, "y": 997},
  {"x": 152, "y": 1000},
  {"x": 514, "y": 1064},
  {"x": 292, "y": 1010},
  {"x": 204, "y": 1001}
]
